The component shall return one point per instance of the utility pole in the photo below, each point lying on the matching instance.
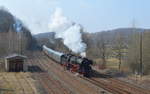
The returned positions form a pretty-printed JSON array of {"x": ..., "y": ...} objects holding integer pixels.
[
  {"x": 9, "y": 51},
  {"x": 21, "y": 43},
  {"x": 141, "y": 53},
  {"x": 18, "y": 27}
]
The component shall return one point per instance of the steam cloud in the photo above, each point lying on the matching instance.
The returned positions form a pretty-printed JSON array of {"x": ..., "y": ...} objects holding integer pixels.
[
  {"x": 17, "y": 25},
  {"x": 69, "y": 31}
]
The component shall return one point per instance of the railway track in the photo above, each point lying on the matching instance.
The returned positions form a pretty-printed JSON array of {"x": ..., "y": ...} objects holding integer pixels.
[
  {"x": 116, "y": 86},
  {"x": 45, "y": 80},
  {"x": 112, "y": 85},
  {"x": 105, "y": 86},
  {"x": 129, "y": 87},
  {"x": 56, "y": 82},
  {"x": 43, "y": 83},
  {"x": 51, "y": 86},
  {"x": 68, "y": 80}
]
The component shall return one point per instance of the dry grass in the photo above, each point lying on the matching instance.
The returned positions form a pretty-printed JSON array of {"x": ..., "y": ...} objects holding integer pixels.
[
  {"x": 111, "y": 63},
  {"x": 16, "y": 83}
]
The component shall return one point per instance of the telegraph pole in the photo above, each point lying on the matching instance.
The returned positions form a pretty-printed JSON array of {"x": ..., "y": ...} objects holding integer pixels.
[
  {"x": 141, "y": 53},
  {"x": 21, "y": 43},
  {"x": 140, "y": 66},
  {"x": 18, "y": 27},
  {"x": 9, "y": 32}
]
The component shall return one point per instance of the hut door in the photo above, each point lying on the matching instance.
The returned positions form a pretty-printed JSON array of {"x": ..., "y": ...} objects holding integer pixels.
[
  {"x": 16, "y": 66},
  {"x": 12, "y": 66},
  {"x": 19, "y": 66}
]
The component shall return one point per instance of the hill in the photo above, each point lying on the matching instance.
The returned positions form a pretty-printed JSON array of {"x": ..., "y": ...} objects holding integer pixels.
[
  {"x": 91, "y": 39},
  {"x": 119, "y": 48}
]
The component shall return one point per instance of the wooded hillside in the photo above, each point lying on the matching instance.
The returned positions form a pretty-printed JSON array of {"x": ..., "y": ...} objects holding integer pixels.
[{"x": 12, "y": 41}]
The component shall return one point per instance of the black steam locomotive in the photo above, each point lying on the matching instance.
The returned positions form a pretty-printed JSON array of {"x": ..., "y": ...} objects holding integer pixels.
[{"x": 71, "y": 62}]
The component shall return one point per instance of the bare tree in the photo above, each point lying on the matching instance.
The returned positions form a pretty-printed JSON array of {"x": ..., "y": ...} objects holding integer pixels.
[
  {"x": 101, "y": 44},
  {"x": 145, "y": 66},
  {"x": 119, "y": 48},
  {"x": 134, "y": 52}
]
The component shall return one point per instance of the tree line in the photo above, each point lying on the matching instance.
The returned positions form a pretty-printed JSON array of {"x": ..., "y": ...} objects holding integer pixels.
[{"x": 131, "y": 47}]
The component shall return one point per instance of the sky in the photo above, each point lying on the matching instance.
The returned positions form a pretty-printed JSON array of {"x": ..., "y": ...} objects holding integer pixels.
[{"x": 93, "y": 15}]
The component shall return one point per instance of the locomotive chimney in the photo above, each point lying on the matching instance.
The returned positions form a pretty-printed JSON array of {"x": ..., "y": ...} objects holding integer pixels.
[{"x": 83, "y": 54}]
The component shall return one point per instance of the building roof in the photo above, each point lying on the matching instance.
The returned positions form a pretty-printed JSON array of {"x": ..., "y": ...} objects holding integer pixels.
[{"x": 16, "y": 56}]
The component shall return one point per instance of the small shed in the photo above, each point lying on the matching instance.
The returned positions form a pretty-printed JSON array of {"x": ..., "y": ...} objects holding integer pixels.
[{"x": 15, "y": 63}]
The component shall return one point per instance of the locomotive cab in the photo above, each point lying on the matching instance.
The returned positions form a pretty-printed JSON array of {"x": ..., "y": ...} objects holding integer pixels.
[{"x": 85, "y": 67}]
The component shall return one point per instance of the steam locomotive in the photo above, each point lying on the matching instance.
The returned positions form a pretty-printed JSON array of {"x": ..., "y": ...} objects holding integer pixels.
[{"x": 71, "y": 62}]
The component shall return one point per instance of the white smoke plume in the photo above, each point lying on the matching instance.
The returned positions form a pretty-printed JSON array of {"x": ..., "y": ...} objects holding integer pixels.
[
  {"x": 69, "y": 31},
  {"x": 17, "y": 25}
]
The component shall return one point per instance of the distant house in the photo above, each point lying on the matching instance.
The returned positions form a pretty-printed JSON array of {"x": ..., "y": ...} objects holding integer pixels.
[{"x": 15, "y": 63}]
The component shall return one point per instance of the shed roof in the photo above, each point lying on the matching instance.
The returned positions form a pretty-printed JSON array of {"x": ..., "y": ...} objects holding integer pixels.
[{"x": 16, "y": 56}]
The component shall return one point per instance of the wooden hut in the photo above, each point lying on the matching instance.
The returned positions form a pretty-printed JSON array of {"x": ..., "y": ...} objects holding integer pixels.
[{"x": 15, "y": 63}]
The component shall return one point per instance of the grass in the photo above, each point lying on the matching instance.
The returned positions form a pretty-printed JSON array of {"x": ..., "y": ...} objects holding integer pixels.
[{"x": 111, "y": 63}]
